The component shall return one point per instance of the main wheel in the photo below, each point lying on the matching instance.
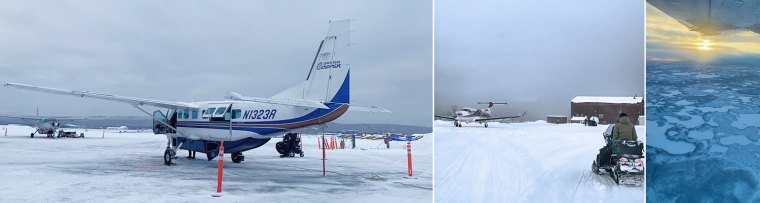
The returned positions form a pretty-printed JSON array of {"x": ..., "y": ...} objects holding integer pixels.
[
  {"x": 167, "y": 157},
  {"x": 32, "y": 135},
  {"x": 486, "y": 125},
  {"x": 291, "y": 154},
  {"x": 236, "y": 157}
]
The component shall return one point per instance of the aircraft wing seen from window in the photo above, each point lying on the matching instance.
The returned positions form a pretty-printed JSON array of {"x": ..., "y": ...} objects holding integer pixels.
[{"x": 129, "y": 100}]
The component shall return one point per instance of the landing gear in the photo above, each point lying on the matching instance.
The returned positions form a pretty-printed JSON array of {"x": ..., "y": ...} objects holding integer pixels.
[
  {"x": 237, "y": 157},
  {"x": 32, "y": 135},
  {"x": 171, "y": 151},
  {"x": 457, "y": 124},
  {"x": 168, "y": 154},
  {"x": 486, "y": 125}
]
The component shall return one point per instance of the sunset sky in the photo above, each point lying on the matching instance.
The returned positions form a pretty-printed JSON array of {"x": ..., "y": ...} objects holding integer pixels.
[{"x": 669, "y": 40}]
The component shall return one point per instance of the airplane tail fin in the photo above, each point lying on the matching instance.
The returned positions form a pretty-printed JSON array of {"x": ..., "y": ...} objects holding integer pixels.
[{"x": 328, "y": 78}]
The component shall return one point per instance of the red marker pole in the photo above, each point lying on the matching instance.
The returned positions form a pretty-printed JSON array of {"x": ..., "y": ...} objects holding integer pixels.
[
  {"x": 323, "y": 155},
  {"x": 220, "y": 170},
  {"x": 409, "y": 157}
]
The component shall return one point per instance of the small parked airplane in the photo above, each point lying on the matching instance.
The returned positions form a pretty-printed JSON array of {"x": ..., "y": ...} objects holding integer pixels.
[
  {"x": 472, "y": 115},
  {"x": 44, "y": 125},
  {"x": 243, "y": 122}
]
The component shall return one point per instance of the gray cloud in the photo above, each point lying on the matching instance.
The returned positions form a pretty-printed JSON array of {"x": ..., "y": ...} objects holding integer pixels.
[
  {"x": 194, "y": 51},
  {"x": 536, "y": 55}
]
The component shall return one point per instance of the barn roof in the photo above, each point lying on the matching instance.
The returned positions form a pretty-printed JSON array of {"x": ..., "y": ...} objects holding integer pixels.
[{"x": 610, "y": 100}]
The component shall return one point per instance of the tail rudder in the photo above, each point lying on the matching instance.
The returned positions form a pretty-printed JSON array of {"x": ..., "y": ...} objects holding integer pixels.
[{"x": 328, "y": 78}]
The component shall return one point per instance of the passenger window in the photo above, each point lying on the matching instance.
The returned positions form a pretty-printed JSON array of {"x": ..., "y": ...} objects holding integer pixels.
[
  {"x": 235, "y": 113},
  {"x": 195, "y": 114},
  {"x": 220, "y": 111},
  {"x": 208, "y": 112},
  {"x": 185, "y": 114}
]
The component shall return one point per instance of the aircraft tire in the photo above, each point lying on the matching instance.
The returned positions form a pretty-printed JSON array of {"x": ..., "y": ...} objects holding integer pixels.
[
  {"x": 167, "y": 157},
  {"x": 301, "y": 154},
  {"x": 32, "y": 135},
  {"x": 291, "y": 154},
  {"x": 236, "y": 157}
]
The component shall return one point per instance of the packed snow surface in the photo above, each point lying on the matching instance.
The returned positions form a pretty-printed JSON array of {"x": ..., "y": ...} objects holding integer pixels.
[
  {"x": 524, "y": 162},
  {"x": 128, "y": 167}
]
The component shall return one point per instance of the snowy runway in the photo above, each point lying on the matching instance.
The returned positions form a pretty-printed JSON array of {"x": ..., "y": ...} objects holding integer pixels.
[
  {"x": 524, "y": 162},
  {"x": 128, "y": 167}
]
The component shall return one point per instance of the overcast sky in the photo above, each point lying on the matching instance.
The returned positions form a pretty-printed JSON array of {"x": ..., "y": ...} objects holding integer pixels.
[
  {"x": 199, "y": 50},
  {"x": 536, "y": 55}
]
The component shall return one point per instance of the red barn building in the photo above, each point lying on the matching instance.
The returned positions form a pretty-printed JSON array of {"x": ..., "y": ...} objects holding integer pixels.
[{"x": 607, "y": 109}]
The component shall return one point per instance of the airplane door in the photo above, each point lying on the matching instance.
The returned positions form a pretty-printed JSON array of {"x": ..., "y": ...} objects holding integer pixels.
[
  {"x": 158, "y": 126},
  {"x": 221, "y": 117}
]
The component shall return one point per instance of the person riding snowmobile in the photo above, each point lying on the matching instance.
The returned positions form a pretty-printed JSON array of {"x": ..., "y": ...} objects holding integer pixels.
[{"x": 622, "y": 130}]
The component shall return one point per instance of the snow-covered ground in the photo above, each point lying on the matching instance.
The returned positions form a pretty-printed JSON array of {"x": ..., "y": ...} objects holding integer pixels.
[
  {"x": 128, "y": 167},
  {"x": 524, "y": 162}
]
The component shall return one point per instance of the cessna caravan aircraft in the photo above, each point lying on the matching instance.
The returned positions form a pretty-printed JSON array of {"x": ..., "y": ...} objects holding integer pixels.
[
  {"x": 472, "y": 115},
  {"x": 243, "y": 122}
]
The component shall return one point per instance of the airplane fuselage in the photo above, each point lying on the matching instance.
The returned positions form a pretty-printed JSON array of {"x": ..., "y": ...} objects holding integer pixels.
[
  {"x": 249, "y": 119},
  {"x": 469, "y": 115}
]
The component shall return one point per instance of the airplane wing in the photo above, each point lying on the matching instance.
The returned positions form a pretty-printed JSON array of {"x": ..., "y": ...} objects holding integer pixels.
[
  {"x": 499, "y": 118},
  {"x": 445, "y": 117},
  {"x": 373, "y": 109},
  {"x": 129, "y": 100},
  {"x": 23, "y": 117},
  {"x": 288, "y": 102}
]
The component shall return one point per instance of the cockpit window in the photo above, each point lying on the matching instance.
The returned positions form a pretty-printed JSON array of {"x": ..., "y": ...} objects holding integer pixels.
[{"x": 220, "y": 111}]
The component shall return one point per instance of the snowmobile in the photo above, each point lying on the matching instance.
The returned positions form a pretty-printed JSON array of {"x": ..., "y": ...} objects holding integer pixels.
[
  {"x": 626, "y": 160},
  {"x": 290, "y": 145}
]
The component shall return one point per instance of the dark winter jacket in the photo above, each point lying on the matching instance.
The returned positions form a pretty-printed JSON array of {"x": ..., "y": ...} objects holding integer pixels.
[{"x": 624, "y": 130}]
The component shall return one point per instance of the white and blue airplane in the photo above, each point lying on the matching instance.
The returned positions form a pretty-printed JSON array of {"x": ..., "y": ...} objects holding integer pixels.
[{"x": 243, "y": 122}]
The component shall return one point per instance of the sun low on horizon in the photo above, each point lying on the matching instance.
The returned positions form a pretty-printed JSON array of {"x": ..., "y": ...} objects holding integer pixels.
[{"x": 669, "y": 40}]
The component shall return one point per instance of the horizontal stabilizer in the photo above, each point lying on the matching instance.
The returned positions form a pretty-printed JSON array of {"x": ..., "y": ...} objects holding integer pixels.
[
  {"x": 287, "y": 102},
  {"x": 373, "y": 109}
]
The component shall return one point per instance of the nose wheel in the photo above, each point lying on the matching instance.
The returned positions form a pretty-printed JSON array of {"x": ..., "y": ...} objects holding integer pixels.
[{"x": 168, "y": 155}]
